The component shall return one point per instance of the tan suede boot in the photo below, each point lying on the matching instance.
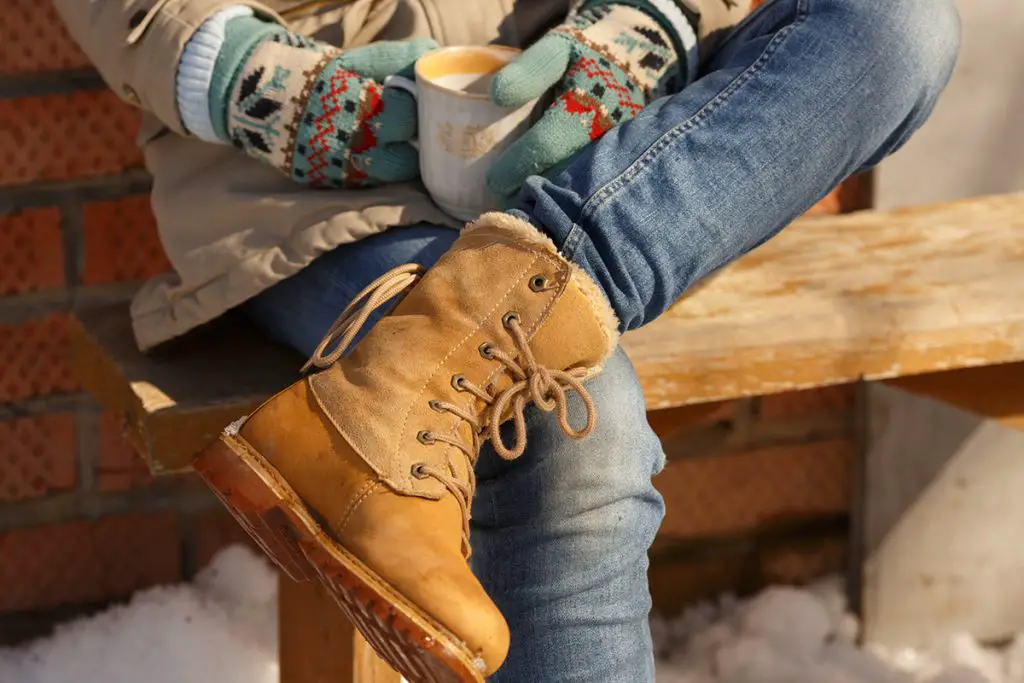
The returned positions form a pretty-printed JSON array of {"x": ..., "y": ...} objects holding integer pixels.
[{"x": 361, "y": 475}]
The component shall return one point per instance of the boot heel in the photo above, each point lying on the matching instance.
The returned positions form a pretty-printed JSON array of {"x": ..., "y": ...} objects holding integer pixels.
[
  {"x": 251, "y": 489},
  {"x": 226, "y": 469}
]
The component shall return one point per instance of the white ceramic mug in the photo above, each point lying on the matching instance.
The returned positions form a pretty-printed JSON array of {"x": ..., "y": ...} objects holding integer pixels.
[{"x": 461, "y": 132}]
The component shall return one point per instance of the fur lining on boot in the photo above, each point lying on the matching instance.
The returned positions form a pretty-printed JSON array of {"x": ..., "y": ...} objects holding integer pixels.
[
  {"x": 524, "y": 232},
  {"x": 602, "y": 309},
  {"x": 515, "y": 227}
]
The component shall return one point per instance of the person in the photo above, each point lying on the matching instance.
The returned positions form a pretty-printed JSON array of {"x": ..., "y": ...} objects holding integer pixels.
[{"x": 475, "y": 415}]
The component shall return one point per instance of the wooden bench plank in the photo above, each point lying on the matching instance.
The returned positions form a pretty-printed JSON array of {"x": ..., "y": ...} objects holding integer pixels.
[
  {"x": 869, "y": 295},
  {"x": 176, "y": 400},
  {"x": 940, "y": 496}
]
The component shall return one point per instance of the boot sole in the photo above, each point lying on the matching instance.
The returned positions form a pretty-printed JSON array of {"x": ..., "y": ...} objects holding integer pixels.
[{"x": 274, "y": 515}]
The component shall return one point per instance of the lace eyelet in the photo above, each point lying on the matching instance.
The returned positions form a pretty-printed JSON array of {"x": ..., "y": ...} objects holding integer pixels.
[
  {"x": 538, "y": 283},
  {"x": 485, "y": 350},
  {"x": 459, "y": 383},
  {"x": 435, "y": 405},
  {"x": 426, "y": 438},
  {"x": 509, "y": 318},
  {"x": 418, "y": 471}
]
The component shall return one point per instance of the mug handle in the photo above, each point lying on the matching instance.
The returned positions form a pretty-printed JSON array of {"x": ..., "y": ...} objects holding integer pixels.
[{"x": 409, "y": 86}]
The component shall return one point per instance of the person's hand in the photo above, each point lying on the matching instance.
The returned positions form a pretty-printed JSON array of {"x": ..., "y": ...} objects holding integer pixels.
[
  {"x": 322, "y": 115},
  {"x": 603, "y": 65}
]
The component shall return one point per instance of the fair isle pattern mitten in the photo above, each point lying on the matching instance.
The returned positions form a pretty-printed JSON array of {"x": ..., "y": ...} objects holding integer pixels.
[
  {"x": 322, "y": 115},
  {"x": 303, "y": 106},
  {"x": 603, "y": 65}
]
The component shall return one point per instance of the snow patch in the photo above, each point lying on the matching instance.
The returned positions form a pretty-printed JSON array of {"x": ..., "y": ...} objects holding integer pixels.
[{"x": 223, "y": 627}]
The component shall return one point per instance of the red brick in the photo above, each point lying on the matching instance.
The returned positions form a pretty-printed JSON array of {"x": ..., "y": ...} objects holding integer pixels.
[
  {"x": 217, "y": 530},
  {"x": 36, "y": 358},
  {"x": 838, "y": 399},
  {"x": 120, "y": 467},
  {"x": 732, "y": 494},
  {"x": 34, "y": 39},
  {"x": 676, "y": 585},
  {"x": 87, "y": 562},
  {"x": 58, "y": 137},
  {"x": 121, "y": 242},
  {"x": 31, "y": 251},
  {"x": 670, "y": 423},
  {"x": 37, "y": 456},
  {"x": 806, "y": 561}
]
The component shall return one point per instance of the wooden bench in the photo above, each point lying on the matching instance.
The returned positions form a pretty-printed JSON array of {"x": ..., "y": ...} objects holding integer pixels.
[{"x": 867, "y": 296}]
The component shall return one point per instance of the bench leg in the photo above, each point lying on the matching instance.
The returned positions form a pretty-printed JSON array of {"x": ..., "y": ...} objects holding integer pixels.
[
  {"x": 317, "y": 644},
  {"x": 941, "y": 509}
]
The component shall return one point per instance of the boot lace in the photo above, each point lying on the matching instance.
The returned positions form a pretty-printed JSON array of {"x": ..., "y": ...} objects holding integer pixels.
[{"x": 547, "y": 388}]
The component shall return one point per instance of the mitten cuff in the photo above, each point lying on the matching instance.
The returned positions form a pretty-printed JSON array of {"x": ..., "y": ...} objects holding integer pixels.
[
  {"x": 241, "y": 37},
  {"x": 683, "y": 29},
  {"x": 195, "y": 72},
  {"x": 676, "y": 19}
]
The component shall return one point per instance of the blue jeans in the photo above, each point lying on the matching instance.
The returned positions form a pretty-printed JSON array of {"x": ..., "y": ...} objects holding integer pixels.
[{"x": 801, "y": 95}]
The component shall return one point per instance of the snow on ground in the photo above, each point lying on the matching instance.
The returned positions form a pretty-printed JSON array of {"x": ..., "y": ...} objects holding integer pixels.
[
  {"x": 789, "y": 635},
  {"x": 223, "y": 628}
]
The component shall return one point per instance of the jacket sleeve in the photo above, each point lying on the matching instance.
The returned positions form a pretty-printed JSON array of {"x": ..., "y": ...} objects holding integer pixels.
[{"x": 136, "y": 44}]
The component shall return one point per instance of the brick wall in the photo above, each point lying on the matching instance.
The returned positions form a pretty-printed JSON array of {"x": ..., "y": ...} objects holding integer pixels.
[
  {"x": 757, "y": 488},
  {"x": 81, "y": 521},
  {"x": 757, "y": 491}
]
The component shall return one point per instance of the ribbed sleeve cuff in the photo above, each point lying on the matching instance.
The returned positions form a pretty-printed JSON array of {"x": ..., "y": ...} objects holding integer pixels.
[{"x": 196, "y": 72}]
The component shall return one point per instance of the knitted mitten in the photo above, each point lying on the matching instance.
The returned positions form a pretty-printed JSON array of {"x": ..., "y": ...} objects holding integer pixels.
[
  {"x": 605, "y": 63},
  {"x": 317, "y": 113}
]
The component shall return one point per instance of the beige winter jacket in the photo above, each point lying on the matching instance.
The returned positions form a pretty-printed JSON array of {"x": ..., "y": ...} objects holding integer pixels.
[{"x": 231, "y": 226}]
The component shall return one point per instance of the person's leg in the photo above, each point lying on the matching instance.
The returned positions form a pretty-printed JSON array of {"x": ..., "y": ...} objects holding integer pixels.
[
  {"x": 803, "y": 94},
  {"x": 560, "y": 540},
  {"x": 808, "y": 90},
  {"x": 560, "y": 535},
  {"x": 298, "y": 311}
]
